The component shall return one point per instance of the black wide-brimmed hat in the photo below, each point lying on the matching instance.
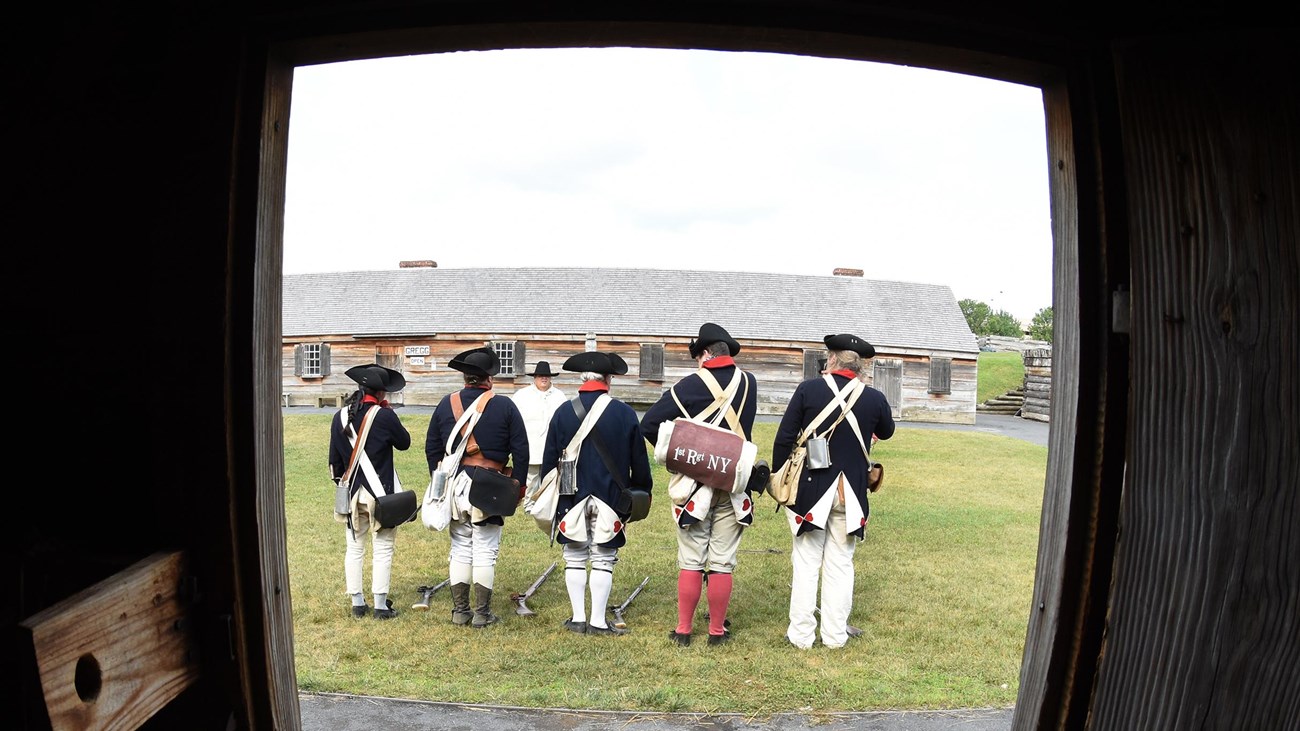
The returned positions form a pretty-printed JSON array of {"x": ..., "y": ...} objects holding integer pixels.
[
  {"x": 377, "y": 378},
  {"x": 850, "y": 342},
  {"x": 710, "y": 334},
  {"x": 594, "y": 361},
  {"x": 477, "y": 362},
  {"x": 543, "y": 369}
]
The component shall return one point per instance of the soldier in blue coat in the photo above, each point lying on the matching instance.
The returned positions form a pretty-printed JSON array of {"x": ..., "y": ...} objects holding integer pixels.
[
  {"x": 386, "y": 434},
  {"x": 499, "y": 437},
  {"x": 591, "y": 522},
  {"x": 709, "y": 521},
  {"x": 830, "y": 512}
]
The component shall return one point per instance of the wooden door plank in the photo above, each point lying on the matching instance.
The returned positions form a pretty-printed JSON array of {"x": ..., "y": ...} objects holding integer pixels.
[{"x": 111, "y": 656}]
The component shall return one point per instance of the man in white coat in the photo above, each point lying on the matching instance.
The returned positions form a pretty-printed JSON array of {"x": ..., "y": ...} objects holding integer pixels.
[{"x": 537, "y": 402}]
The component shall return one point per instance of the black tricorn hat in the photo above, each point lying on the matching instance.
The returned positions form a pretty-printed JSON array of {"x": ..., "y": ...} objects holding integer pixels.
[
  {"x": 610, "y": 364},
  {"x": 710, "y": 334},
  {"x": 377, "y": 378},
  {"x": 477, "y": 362},
  {"x": 850, "y": 342},
  {"x": 543, "y": 369}
]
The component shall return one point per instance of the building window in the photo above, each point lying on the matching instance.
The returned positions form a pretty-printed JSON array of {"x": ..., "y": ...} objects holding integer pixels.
[
  {"x": 311, "y": 360},
  {"x": 941, "y": 375},
  {"x": 390, "y": 356},
  {"x": 652, "y": 362},
  {"x": 813, "y": 363},
  {"x": 887, "y": 378},
  {"x": 511, "y": 355}
]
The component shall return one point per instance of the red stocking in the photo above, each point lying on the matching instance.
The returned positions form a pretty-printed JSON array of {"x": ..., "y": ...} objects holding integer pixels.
[
  {"x": 689, "y": 587},
  {"x": 719, "y": 598}
]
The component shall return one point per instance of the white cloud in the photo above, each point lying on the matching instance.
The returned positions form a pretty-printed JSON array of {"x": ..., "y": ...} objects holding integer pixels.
[{"x": 660, "y": 158}]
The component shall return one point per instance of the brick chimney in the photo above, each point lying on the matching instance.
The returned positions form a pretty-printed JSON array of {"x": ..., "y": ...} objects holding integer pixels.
[
  {"x": 842, "y": 272},
  {"x": 419, "y": 264}
]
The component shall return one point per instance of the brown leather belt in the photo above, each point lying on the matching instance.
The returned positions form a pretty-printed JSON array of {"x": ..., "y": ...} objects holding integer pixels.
[{"x": 478, "y": 460}]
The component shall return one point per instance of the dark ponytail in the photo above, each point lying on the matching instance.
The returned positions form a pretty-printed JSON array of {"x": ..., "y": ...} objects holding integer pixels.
[{"x": 353, "y": 402}]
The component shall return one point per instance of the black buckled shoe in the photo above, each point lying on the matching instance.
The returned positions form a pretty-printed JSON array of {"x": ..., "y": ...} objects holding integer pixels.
[
  {"x": 572, "y": 626},
  {"x": 594, "y": 630},
  {"x": 683, "y": 640},
  {"x": 360, "y": 611},
  {"x": 387, "y": 612},
  {"x": 719, "y": 639}
]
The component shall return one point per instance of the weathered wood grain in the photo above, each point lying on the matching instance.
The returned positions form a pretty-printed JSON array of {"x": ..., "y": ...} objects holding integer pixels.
[
  {"x": 111, "y": 656},
  {"x": 1057, "y": 609},
  {"x": 1203, "y": 628}
]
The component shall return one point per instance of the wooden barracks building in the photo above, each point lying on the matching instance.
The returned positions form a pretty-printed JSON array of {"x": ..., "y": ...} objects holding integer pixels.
[{"x": 417, "y": 317}]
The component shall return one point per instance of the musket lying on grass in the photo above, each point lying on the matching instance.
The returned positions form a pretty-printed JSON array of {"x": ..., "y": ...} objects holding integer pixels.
[
  {"x": 521, "y": 600},
  {"x": 620, "y": 609},
  {"x": 850, "y": 629},
  {"x": 426, "y": 593}
]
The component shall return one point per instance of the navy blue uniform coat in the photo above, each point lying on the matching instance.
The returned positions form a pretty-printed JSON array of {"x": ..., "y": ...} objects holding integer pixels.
[
  {"x": 622, "y": 437},
  {"x": 386, "y": 434},
  {"x": 874, "y": 417},
  {"x": 500, "y": 434},
  {"x": 695, "y": 396}
]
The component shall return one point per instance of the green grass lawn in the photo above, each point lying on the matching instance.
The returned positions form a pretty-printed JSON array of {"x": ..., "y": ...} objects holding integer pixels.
[
  {"x": 999, "y": 373},
  {"x": 943, "y": 591}
]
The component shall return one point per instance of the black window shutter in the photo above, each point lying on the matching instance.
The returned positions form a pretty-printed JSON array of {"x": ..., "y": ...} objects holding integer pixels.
[
  {"x": 652, "y": 362},
  {"x": 297, "y": 360},
  {"x": 324, "y": 359},
  {"x": 812, "y": 365},
  {"x": 941, "y": 375}
]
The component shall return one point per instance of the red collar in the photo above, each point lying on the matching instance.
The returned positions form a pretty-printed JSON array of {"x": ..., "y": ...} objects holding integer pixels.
[
  {"x": 368, "y": 399},
  {"x": 846, "y": 373},
  {"x": 719, "y": 361},
  {"x": 593, "y": 386}
]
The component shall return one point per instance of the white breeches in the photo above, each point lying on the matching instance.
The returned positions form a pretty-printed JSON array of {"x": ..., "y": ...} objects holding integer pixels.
[
  {"x": 477, "y": 545},
  {"x": 383, "y": 542},
  {"x": 711, "y": 544},
  {"x": 828, "y": 555},
  {"x": 576, "y": 555}
]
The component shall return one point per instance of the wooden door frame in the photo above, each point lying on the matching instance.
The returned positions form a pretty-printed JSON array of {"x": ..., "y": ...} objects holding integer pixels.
[{"x": 1086, "y": 452}]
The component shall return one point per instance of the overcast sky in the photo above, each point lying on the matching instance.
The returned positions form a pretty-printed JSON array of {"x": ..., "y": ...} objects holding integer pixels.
[{"x": 675, "y": 160}]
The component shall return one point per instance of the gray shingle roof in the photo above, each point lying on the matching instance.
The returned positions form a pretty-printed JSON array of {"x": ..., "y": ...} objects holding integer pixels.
[{"x": 751, "y": 306}]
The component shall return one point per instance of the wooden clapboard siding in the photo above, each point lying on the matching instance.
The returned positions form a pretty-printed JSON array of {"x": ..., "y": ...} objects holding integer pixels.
[
  {"x": 778, "y": 369},
  {"x": 905, "y": 319},
  {"x": 1037, "y": 385},
  {"x": 957, "y": 407}
]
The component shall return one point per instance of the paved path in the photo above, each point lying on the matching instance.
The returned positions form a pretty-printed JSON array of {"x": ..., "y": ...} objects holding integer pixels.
[{"x": 1002, "y": 424}]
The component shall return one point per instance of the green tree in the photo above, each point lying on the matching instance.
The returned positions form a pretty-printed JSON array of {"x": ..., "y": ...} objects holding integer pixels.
[
  {"x": 1040, "y": 328},
  {"x": 982, "y": 320},
  {"x": 976, "y": 314},
  {"x": 1003, "y": 323}
]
